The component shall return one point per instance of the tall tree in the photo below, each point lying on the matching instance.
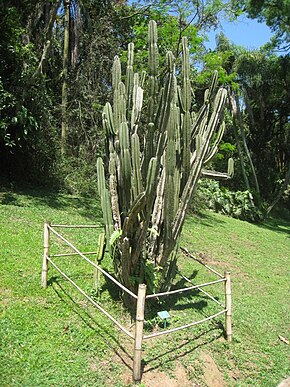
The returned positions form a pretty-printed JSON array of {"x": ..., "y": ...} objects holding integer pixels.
[
  {"x": 65, "y": 69},
  {"x": 259, "y": 98},
  {"x": 27, "y": 123},
  {"x": 33, "y": 70},
  {"x": 276, "y": 14},
  {"x": 266, "y": 81}
]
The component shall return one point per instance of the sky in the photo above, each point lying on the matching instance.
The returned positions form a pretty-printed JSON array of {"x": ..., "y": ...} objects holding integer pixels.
[{"x": 245, "y": 32}]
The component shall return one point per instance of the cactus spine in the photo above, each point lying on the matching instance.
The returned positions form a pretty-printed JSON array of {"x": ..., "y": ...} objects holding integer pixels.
[{"x": 157, "y": 154}]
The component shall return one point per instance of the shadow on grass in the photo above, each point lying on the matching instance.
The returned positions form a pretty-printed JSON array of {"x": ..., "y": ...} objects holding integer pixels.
[
  {"x": 171, "y": 303},
  {"x": 87, "y": 206},
  {"x": 176, "y": 348},
  {"x": 110, "y": 340},
  {"x": 192, "y": 301},
  {"x": 10, "y": 199},
  {"x": 188, "y": 298},
  {"x": 204, "y": 218},
  {"x": 183, "y": 349},
  {"x": 110, "y": 287},
  {"x": 175, "y": 351},
  {"x": 277, "y": 225}
]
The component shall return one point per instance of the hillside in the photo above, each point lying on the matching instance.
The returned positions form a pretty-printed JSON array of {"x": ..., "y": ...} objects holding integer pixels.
[{"x": 53, "y": 337}]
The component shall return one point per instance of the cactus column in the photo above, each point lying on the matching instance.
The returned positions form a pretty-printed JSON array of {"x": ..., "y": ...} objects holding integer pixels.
[{"x": 158, "y": 151}]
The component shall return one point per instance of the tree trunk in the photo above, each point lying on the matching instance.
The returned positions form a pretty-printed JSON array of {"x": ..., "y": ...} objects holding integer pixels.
[
  {"x": 280, "y": 193},
  {"x": 50, "y": 16},
  {"x": 74, "y": 36},
  {"x": 235, "y": 127},
  {"x": 64, "y": 96},
  {"x": 241, "y": 125}
]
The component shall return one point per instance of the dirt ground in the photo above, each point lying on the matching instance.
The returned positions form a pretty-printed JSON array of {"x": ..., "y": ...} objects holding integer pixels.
[{"x": 213, "y": 377}]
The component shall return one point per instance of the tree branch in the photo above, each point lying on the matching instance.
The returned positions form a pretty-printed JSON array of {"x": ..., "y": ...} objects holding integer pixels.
[{"x": 140, "y": 11}]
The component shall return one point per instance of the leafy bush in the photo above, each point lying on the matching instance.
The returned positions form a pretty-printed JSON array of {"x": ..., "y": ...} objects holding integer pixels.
[
  {"x": 239, "y": 204},
  {"x": 76, "y": 175}
]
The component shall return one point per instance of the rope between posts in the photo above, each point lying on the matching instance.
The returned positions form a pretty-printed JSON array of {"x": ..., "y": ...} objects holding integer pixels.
[
  {"x": 77, "y": 226},
  {"x": 184, "y": 289},
  {"x": 90, "y": 299},
  {"x": 184, "y": 326},
  {"x": 71, "y": 254},
  {"x": 92, "y": 263},
  {"x": 203, "y": 291},
  {"x": 186, "y": 252}
]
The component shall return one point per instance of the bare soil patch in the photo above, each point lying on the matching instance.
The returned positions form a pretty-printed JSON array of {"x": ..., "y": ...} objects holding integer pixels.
[
  {"x": 212, "y": 375},
  {"x": 161, "y": 379}
]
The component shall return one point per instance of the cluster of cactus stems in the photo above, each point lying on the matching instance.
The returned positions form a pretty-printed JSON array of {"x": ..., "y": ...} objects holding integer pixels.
[{"x": 157, "y": 154}]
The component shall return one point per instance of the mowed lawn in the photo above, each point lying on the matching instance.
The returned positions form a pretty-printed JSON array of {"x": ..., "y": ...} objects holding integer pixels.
[{"x": 53, "y": 337}]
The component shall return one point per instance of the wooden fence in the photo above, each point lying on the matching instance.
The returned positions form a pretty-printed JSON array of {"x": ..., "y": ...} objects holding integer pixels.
[{"x": 141, "y": 297}]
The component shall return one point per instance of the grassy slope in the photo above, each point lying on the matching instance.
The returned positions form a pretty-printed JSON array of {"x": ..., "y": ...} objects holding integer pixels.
[
  {"x": 52, "y": 337},
  {"x": 258, "y": 258}
]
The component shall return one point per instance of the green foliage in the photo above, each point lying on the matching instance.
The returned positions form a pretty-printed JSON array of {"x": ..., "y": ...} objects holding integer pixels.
[
  {"x": 276, "y": 14},
  {"x": 7, "y": 102},
  {"x": 153, "y": 275},
  {"x": 169, "y": 33},
  {"x": 30, "y": 88},
  {"x": 76, "y": 174},
  {"x": 27, "y": 125},
  {"x": 220, "y": 60},
  {"x": 30, "y": 91},
  {"x": 237, "y": 204},
  {"x": 17, "y": 119},
  {"x": 226, "y": 150},
  {"x": 257, "y": 120},
  {"x": 266, "y": 80}
]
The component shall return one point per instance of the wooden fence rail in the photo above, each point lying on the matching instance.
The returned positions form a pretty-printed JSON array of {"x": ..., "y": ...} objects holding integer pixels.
[
  {"x": 71, "y": 254},
  {"x": 184, "y": 326},
  {"x": 141, "y": 298},
  {"x": 92, "y": 263},
  {"x": 202, "y": 291},
  {"x": 170, "y": 292},
  {"x": 76, "y": 226},
  {"x": 91, "y": 300},
  {"x": 187, "y": 253}
]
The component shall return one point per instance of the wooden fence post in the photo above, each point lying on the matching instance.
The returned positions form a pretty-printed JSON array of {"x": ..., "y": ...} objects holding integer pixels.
[
  {"x": 45, "y": 255},
  {"x": 228, "y": 297},
  {"x": 139, "y": 333}
]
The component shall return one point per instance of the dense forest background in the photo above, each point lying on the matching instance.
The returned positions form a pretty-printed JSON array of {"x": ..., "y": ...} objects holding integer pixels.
[{"x": 55, "y": 77}]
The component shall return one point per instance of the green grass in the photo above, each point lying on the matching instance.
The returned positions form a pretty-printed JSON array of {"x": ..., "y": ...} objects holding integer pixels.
[
  {"x": 258, "y": 258},
  {"x": 54, "y": 337}
]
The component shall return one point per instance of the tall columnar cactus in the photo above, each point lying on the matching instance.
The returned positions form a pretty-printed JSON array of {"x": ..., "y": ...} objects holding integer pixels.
[
  {"x": 157, "y": 154},
  {"x": 186, "y": 117}
]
